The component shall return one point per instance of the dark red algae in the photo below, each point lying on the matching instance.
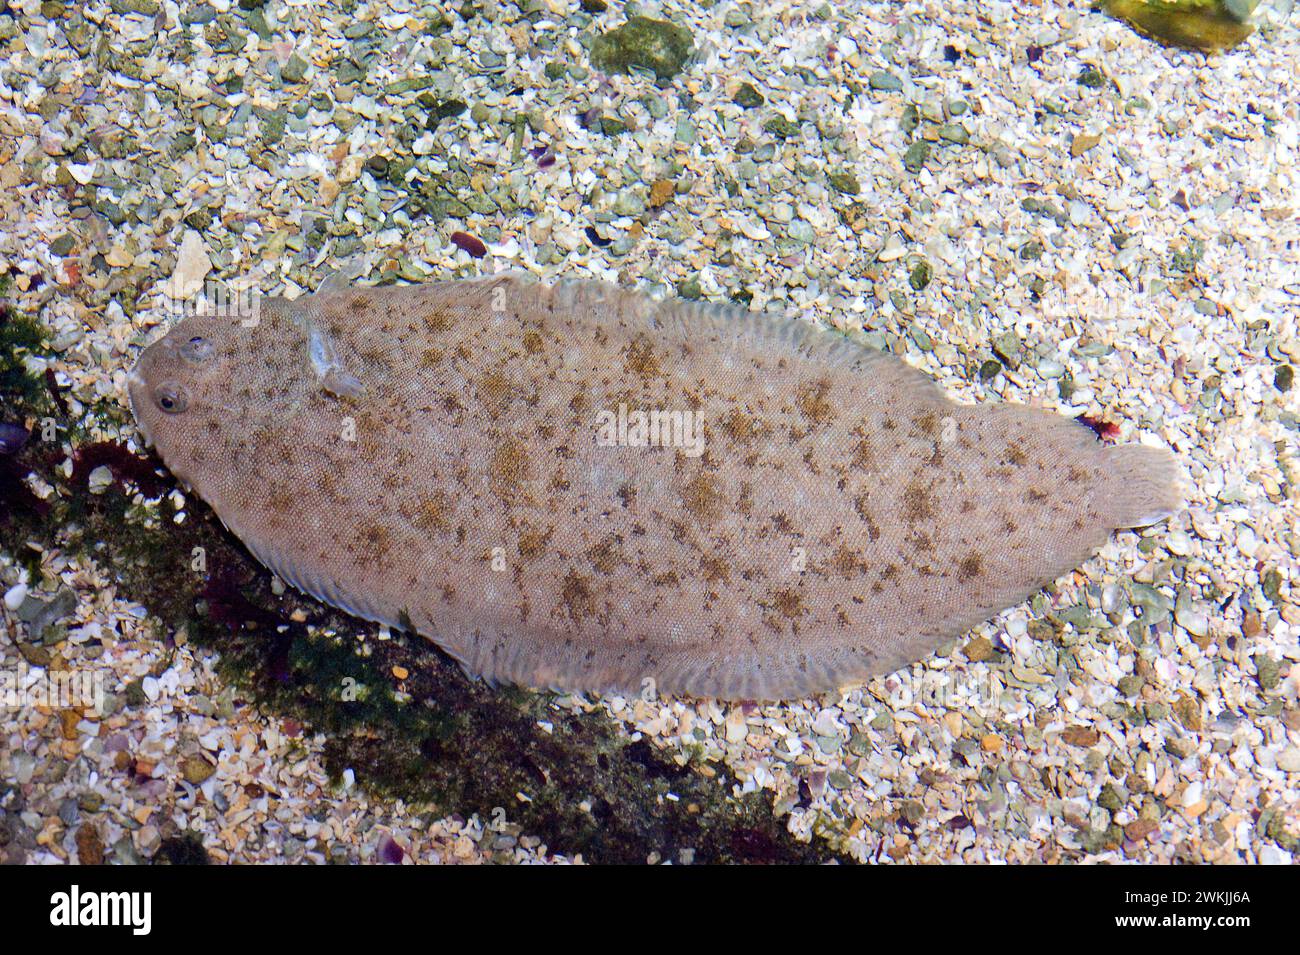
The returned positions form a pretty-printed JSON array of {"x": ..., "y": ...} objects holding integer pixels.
[
  {"x": 141, "y": 472},
  {"x": 1105, "y": 430},
  {"x": 468, "y": 243}
]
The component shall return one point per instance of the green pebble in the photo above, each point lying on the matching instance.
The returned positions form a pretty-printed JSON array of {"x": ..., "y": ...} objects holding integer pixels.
[
  {"x": 781, "y": 127},
  {"x": 911, "y": 119},
  {"x": 273, "y": 127},
  {"x": 914, "y": 158},
  {"x": 844, "y": 181},
  {"x": 1268, "y": 672},
  {"x": 748, "y": 97},
  {"x": 1131, "y": 684},
  {"x": 921, "y": 275},
  {"x": 257, "y": 23},
  {"x": 885, "y": 82},
  {"x": 1271, "y": 583},
  {"x": 642, "y": 42},
  {"x": 954, "y": 133},
  {"x": 349, "y": 72},
  {"x": 1092, "y": 77},
  {"x": 802, "y": 232}
]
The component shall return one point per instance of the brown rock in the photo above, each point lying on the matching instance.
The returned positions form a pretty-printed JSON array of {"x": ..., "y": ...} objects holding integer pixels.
[
  {"x": 68, "y": 720},
  {"x": 90, "y": 845},
  {"x": 196, "y": 770},
  {"x": 1188, "y": 712},
  {"x": 661, "y": 192},
  {"x": 1080, "y": 736},
  {"x": 1081, "y": 144},
  {"x": 1139, "y": 829}
]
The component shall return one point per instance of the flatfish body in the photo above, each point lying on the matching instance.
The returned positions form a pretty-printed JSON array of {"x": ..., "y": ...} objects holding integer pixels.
[{"x": 584, "y": 488}]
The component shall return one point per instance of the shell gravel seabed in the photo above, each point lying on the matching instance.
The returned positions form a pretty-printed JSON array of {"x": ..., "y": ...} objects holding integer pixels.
[{"x": 1029, "y": 203}]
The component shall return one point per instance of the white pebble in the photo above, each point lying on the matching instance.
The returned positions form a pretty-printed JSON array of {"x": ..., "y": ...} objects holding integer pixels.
[
  {"x": 15, "y": 596},
  {"x": 101, "y": 479},
  {"x": 1272, "y": 855},
  {"x": 1179, "y": 543}
]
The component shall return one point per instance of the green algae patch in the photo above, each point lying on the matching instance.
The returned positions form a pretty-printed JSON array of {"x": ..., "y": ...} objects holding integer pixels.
[
  {"x": 655, "y": 45},
  {"x": 20, "y": 337},
  {"x": 1206, "y": 25}
]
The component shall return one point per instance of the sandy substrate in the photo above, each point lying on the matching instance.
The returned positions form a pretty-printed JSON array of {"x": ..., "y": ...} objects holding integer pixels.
[{"x": 1093, "y": 224}]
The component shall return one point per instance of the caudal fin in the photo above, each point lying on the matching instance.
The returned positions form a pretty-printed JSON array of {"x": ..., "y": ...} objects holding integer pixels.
[{"x": 1146, "y": 485}]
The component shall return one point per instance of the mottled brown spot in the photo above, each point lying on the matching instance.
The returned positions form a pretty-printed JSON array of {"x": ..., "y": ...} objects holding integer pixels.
[
  {"x": 739, "y": 427},
  {"x": 433, "y": 512},
  {"x": 640, "y": 360},
  {"x": 509, "y": 466},
  {"x": 811, "y": 400},
  {"x": 607, "y": 555},
  {"x": 971, "y": 566},
  {"x": 1014, "y": 454},
  {"x": 373, "y": 543},
  {"x": 848, "y": 563},
  {"x": 788, "y": 603},
  {"x": 714, "y": 569},
  {"x": 860, "y": 505},
  {"x": 576, "y": 597},
  {"x": 494, "y": 391},
  {"x": 532, "y": 542},
  {"x": 927, "y": 423},
  {"x": 702, "y": 498},
  {"x": 437, "y": 320},
  {"x": 918, "y": 503},
  {"x": 533, "y": 342},
  {"x": 863, "y": 456}
]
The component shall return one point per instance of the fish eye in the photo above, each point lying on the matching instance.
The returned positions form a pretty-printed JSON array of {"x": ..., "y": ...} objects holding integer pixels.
[
  {"x": 197, "y": 350},
  {"x": 171, "y": 399}
]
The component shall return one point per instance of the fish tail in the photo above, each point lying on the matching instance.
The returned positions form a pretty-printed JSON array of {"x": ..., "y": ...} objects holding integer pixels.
[{"x": 1145, "y": 485}]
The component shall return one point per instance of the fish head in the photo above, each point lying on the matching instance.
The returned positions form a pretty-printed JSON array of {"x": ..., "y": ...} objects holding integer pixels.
[{"x": 213, "y": 380}]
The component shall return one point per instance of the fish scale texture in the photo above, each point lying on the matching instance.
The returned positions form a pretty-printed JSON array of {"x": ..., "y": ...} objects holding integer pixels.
[{"x": 839, "y": 516}]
